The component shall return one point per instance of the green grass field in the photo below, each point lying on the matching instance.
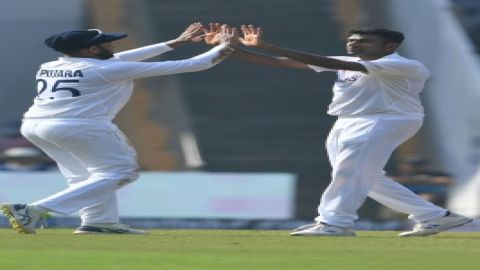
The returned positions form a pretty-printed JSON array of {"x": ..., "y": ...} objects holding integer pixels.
[{"x": 56, "y": 249}]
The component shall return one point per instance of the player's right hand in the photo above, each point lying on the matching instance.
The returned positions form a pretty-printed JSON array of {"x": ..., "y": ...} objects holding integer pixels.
[
  {"x": 252, "y": 36},
  {"x": 193, "y": 33},
  {"x": 228, "y": 35},
  {"x": 211, "y": 34}
]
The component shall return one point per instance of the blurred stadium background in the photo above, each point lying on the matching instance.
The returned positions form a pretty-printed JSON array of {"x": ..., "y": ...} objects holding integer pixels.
[{"x": 241, "y": 146}]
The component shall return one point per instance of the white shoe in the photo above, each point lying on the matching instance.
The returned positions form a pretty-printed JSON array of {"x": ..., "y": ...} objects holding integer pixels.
[
  {"x": 322, "y": 229},
  {"x": 437, "y": 225},
  {"x": 304, "y": 227},
  {"x": 21, "y": 217},
  {"x": 107, "y": 228}
]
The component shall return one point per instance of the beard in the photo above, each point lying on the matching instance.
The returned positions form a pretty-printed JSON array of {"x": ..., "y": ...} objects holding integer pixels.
[{"x": 104, "y": 54}]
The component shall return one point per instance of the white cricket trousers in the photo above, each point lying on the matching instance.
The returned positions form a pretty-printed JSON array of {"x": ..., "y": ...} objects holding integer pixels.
[
  {"x": 94, "y": 156},
  {"x": 358, "y": 148}
]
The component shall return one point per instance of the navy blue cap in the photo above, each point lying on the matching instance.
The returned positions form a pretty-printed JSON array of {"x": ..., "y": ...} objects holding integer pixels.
[{"x": 80, "y": 39}]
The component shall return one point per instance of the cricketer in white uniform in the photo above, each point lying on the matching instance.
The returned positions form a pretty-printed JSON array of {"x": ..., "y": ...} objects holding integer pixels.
[
  {"x": 376, "y": 99},
  {"x": 71, "y": 121}
]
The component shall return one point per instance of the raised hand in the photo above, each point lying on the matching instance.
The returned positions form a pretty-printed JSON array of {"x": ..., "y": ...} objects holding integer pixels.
[
  {"x": 211, "y": 34},
  {"x": 252, "y": 36},
  {"x": 228, "y": 35},
  {"x": 193, "y": 33}
]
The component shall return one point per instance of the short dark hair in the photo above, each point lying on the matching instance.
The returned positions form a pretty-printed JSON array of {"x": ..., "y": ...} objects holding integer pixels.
[{"x": 386, "y": 34}]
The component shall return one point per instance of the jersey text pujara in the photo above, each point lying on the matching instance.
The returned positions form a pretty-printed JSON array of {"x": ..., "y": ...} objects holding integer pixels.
[{"x": 61, "y": 73}]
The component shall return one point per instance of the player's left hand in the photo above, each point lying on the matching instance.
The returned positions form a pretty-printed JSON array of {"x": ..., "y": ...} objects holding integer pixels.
[{"x": 193, "y": 33}]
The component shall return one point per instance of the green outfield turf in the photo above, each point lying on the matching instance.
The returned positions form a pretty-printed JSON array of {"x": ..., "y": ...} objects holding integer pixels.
[{"x": 56, "y": 249}]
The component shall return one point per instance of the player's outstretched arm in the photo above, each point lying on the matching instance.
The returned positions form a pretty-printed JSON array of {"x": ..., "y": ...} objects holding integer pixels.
[
  {"x": 253, "y": 37},
  {"x": 122, "y": 70},
  {"x": 193, "y": 33},
  {"x": 211, "y": 37},
  {"x": 266, "y": 60}
]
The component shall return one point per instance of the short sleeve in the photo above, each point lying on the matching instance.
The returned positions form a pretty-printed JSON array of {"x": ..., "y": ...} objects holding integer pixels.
[
  {"x": 395, "y": 67},
  {"x": 322, "y": 69}
]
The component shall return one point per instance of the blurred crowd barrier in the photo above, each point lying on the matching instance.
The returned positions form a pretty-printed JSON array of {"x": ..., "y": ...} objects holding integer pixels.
[{"x": 177, "y": 194}]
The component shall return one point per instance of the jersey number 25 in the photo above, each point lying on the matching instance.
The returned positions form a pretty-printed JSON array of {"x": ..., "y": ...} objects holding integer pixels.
[{"x": 42, "y": 85}]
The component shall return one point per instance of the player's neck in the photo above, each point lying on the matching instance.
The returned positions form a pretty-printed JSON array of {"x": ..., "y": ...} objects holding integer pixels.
[{"x": 81, "y": 54}]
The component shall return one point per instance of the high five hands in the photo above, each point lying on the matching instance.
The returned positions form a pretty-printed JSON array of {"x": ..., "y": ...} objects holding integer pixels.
[
  {"x": 252, "y": 36},
  {"x": 214, "y": 35}
]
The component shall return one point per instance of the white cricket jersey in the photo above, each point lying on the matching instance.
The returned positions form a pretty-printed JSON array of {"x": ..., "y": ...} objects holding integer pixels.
[
  {"x": 97, "y": 89},
  {"x": 391, "y": 86}
]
